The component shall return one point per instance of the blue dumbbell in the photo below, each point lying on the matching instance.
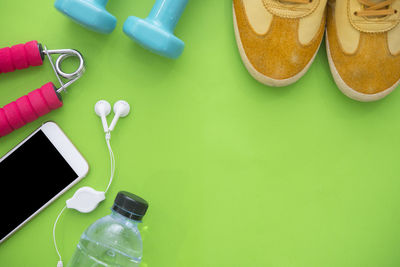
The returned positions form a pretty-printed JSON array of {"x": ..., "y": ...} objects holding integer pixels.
[
  {"x": 156, "y": 31},
  {"x": 89, "y": 13}
]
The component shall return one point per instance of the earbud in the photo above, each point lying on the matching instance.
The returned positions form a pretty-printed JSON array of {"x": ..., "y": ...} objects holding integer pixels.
[
  {"x": 102, "y": 109},
  {"x": 121, "y": 109}
]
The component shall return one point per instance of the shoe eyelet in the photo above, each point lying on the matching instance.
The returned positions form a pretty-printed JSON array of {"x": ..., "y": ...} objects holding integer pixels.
[
  {"x": 395, "y": 11},
  {"x": 355, "y": 13}
]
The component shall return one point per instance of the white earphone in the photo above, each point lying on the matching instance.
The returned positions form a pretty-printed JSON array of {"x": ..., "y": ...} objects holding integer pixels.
[
  {"x": 86, "y": 199},
  {"x": 121, "y": 110},
  {"x": 103, "y": 108}
]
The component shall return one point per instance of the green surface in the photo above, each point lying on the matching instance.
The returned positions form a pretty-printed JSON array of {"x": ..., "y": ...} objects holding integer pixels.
[{"x": 236, "y": 173}]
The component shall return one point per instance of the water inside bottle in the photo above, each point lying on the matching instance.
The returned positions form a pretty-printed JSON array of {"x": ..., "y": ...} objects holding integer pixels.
[{"x": 94, "y": 254}]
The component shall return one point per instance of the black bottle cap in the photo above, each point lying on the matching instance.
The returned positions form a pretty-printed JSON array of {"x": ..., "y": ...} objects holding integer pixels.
[{"x": 130, "y": 205}]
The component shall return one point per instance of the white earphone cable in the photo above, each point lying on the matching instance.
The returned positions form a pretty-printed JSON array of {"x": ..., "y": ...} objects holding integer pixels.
[
  {"x": 112, "y": 159},
  {"x": 59, "y": 264}
]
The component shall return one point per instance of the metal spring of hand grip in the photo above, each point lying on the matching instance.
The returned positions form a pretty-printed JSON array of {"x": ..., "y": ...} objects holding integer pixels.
[{"x": 64, "y": 54}]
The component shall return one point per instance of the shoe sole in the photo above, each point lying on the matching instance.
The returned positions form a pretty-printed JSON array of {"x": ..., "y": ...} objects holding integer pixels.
[
  {"x": 347, "y": 90},
  {"x": 258, "y": 75}
]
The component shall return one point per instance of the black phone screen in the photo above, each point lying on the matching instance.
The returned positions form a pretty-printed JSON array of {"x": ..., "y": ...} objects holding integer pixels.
[{"x": 31, "y": 176}]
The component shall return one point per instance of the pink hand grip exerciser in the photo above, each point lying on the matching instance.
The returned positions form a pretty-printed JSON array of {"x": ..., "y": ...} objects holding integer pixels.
[{"x": 42, "y": 100}]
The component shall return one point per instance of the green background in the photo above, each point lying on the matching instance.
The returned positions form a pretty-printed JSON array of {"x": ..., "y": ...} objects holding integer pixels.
[{"x": 236, "y": 173}]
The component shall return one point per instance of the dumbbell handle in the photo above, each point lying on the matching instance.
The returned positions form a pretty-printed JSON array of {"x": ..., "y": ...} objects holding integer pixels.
[
  {"x": 20, "y": 56},
  {"x": 28, "y": 108},
  {"x": 167, "y": 12},
  {"x": 100, "y": 2}
]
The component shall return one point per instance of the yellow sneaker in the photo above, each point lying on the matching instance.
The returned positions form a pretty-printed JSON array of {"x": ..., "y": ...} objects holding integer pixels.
[
  {"x": 278, "y": 39},
  {"x": 363, "y": 47}
]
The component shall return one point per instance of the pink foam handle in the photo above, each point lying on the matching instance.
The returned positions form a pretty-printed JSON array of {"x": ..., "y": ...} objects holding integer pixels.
[
  {"x": 20, "y": 56},
  {"x": 5, "y": 127},
  {"x": 28, "y": 108},
  {"x": 13, "y": 115}
]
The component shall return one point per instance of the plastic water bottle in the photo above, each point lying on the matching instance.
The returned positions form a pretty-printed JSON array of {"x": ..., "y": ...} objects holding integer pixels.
[{"x": 113, "y": 240}]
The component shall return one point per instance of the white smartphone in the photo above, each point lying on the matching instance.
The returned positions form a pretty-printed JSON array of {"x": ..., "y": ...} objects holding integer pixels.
[{"x": 35, "y": 173}]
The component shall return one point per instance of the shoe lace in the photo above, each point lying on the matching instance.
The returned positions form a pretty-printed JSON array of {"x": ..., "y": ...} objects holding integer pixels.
[{"x": 372, "y": 9}]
